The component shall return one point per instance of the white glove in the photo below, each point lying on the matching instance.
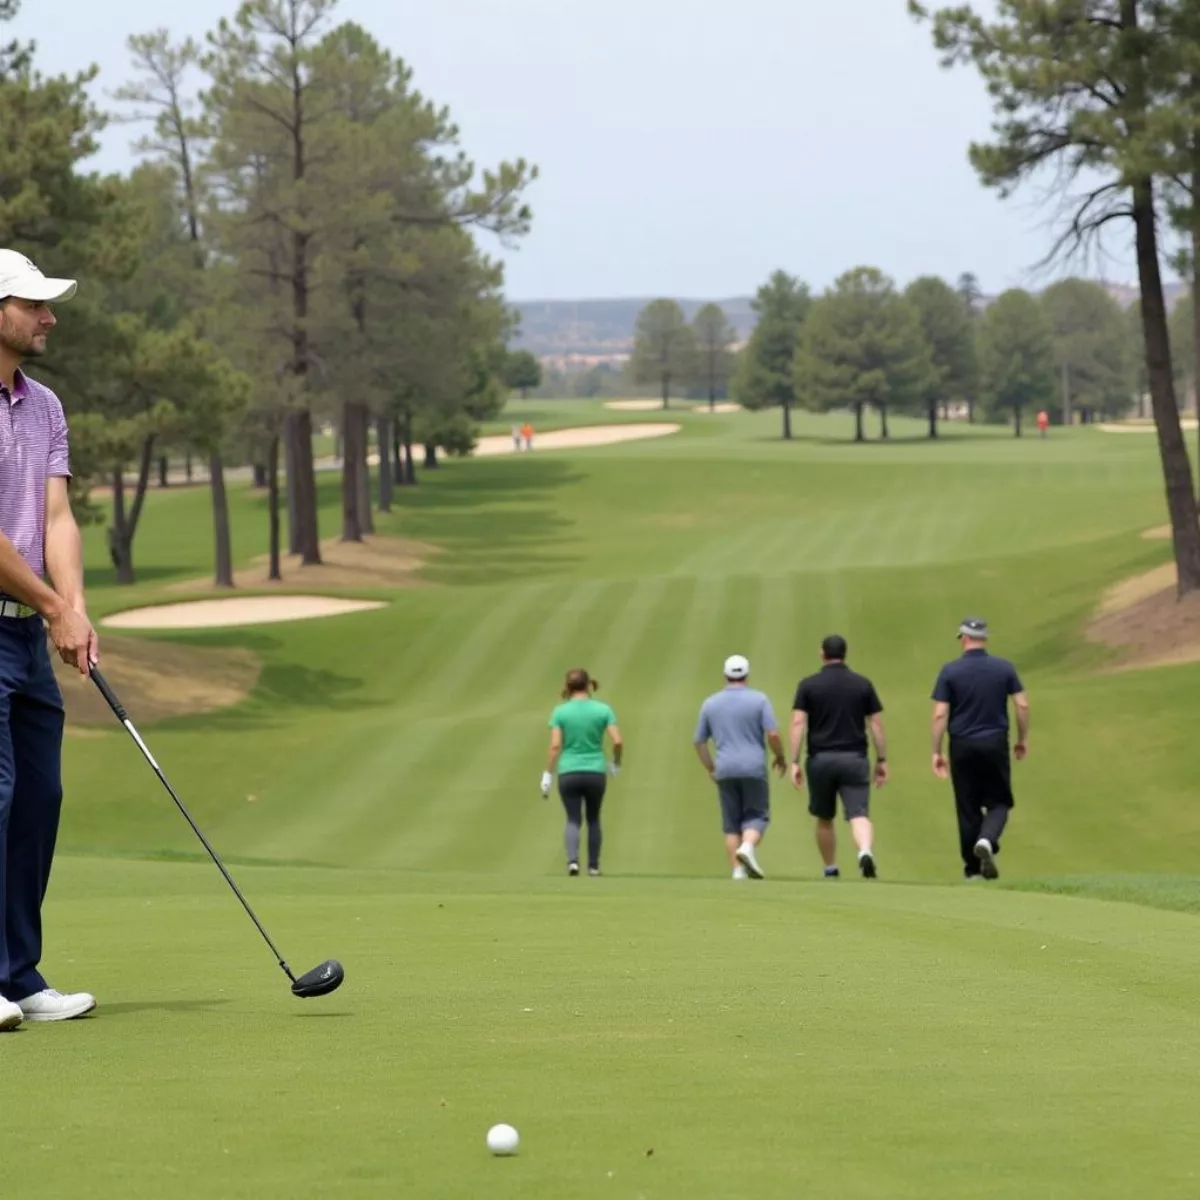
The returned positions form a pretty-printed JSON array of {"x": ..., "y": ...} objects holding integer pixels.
[
  {"x": 614, "y": 770},
  {"x": 547, "y": 780}
]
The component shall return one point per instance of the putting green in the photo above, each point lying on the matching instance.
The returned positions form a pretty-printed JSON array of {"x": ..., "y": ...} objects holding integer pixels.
[{"x": 376, "y": 793}]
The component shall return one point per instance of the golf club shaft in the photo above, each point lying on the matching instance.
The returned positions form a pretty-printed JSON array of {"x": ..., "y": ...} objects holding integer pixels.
[{"x": 122, "y": 716}]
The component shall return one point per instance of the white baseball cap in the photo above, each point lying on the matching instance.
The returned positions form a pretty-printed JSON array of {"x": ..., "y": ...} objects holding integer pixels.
[
  {"x": 736, "y": 667},
  {"x": 21, "y": 278}
]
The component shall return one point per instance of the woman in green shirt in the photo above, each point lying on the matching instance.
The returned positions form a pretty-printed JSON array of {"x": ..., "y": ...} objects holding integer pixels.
[{"x": 577, "y": 729}]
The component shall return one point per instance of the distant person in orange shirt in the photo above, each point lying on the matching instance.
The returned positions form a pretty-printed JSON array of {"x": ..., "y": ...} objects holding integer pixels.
[
  {"x": 527, "y": 434},
  {"x": 1043, "y": 419}
]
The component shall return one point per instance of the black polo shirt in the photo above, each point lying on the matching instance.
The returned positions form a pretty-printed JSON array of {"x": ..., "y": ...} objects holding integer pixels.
[
  {"x": 838, "y": 702},
  {"x": 977, "y": 687}
]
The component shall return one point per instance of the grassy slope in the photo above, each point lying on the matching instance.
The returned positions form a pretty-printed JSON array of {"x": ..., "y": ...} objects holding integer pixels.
[{"x": 788, "y": 1038}]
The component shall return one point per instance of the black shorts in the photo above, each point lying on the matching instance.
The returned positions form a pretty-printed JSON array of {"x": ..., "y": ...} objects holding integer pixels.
[{"x": 834, "y": 772}]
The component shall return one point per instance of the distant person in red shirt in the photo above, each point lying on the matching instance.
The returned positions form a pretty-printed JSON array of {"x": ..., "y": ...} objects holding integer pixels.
[
  {"x": 527, "y": 434},
  {"x": 1043, "y": 420}
]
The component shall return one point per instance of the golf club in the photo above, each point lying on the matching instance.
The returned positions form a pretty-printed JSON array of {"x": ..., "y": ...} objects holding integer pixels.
[{"x": 322, "y": 979}]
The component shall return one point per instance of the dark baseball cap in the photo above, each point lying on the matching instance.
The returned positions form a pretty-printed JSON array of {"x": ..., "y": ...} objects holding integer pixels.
[{"x": 974, "y": 627}]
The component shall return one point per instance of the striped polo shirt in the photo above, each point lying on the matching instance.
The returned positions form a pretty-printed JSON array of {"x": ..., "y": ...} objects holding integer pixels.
[{"x": 33, "y": 447}]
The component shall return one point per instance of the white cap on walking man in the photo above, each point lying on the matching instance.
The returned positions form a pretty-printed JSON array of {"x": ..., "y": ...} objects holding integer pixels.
[{"x": 737, "y": 667}]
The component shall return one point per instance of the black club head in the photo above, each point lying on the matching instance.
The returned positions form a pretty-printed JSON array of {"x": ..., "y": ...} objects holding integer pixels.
[{"x": 320, "y": 981}]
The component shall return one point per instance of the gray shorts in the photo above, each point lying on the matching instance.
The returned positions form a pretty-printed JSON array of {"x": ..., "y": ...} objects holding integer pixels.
[
  {"x": 834, "y": 772},
  {"x": 745, "y": 804}
]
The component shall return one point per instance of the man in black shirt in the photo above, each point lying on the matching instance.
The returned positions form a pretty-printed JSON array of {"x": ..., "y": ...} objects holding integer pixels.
[
  {"x": 971, "y": 701},
  {"x": 836, "y": 706}
]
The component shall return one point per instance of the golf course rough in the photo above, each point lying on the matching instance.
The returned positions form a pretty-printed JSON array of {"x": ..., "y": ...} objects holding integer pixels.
[{"x": 375, "y": 793}]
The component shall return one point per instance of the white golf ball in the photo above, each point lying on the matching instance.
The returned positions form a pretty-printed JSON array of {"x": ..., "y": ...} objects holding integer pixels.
[{"x": 503, "y": 1139}]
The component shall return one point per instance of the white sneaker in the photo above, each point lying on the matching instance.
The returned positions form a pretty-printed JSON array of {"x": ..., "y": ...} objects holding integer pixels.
[
  {"x": 10, "y": 1014},
  {"x": 739, "y": 872},
  {"x": 987, "y": 859},
  {"x": 745, "y": 855},
  {"x": 49, "y": 1005}
]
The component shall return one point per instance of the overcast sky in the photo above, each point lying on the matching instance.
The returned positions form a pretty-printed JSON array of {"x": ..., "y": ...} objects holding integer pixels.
[{"x": 687, "y": 147}]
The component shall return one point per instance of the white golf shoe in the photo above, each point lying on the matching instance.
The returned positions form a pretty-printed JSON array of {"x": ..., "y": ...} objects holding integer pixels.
[
  {"x": 746, "y": 856},
  {"x": 739, "y": 872},
  {"x": 49, "y": 1005},
  {"x": 10, "y": 1014}
]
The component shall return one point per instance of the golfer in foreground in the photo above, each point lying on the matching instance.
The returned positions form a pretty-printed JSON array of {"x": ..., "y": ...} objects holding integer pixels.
[
  {"x": 837, "y": 707},
  {"x": 577, "y": 730},
  {"x": 738, "y": 719},
  {"x": 970, "y": 700},
  {"x": 38, "y": 538}
]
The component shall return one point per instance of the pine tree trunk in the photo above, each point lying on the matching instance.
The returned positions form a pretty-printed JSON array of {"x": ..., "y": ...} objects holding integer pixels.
[
  {"x": 289, "y": 471},
  {"x": 859, "y": 435},
  {"x": 306, "y": 492},
  {"x": 933, "y": 421},
  {"x": 121, "y": 543},
  {"x": 164, "y": 469},
  {"x": 366, "y": 521},
  {"x": 1016, "y": 420},
  {"x": 431, "y": 458},
  {"x": 220, "y": 509},
  {"x": 787, "y": 420},
  {"x": 187, "y": 465},
  {"x": 970, "y": 412},
  {"x": 383, "y": 436},
  {"x": 351, "y": 527},
  {"x": 1177, "y": 470},
  {"x": 409, "y": 477},
  {"x": 1196, "y": 293},
  {"x": 666, "y": 391},
  {"x": 272, "y": 471},
  {"x": 883, "y": 423},
  {"x": 260, "y": 475}
]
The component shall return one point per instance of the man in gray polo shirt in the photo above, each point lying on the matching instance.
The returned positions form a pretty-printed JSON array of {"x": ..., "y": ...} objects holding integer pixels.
[
  {"x": 738, "y": 719},
  {"x": 38, "y": 538}
]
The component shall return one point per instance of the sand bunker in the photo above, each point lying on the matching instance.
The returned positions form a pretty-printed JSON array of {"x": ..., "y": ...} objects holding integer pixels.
[
  {"x": 1143, "y": 619},
  {"x": 572, "y": 439},
  {"x": 241, "y": 610},
  {"x": 633, "y": 405},
  {"x": 717, "y": 408},
  {"x": 1141, "y": 426}
]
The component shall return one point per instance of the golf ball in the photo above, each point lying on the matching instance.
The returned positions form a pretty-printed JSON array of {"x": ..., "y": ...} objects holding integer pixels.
[{"x": 503, "y": 1139}]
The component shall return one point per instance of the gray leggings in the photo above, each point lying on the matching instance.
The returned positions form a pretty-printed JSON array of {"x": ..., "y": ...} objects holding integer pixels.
[{"x": 582, "y": 792}]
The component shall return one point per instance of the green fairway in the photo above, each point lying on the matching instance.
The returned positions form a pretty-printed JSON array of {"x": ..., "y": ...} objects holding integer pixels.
[{"x": 378, "y": 794}]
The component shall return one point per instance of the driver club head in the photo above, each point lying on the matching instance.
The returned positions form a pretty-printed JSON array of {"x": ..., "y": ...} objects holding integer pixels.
[{"x": 320, "y": 981}]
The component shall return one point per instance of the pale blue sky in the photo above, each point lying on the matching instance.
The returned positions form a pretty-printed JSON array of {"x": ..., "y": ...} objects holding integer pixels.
[{"x": 687, "y": 147}]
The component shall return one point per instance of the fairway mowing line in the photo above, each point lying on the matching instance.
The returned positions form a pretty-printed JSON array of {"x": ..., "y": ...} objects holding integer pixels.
[
  {"x": 472, "y": 789},
  {"x": 676, "y": 777},
  {"x": 442, "y": 686}
]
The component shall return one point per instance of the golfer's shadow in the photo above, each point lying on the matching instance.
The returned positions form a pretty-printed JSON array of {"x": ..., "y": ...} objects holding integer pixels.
[{"x": 136, "y": 1006}]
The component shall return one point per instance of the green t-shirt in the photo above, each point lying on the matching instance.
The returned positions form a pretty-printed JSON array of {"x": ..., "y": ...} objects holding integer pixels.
[{"x": 583, "y": 723}]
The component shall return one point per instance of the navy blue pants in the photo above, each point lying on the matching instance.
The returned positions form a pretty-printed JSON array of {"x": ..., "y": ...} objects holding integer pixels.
[{"x": 31, "y": 730}]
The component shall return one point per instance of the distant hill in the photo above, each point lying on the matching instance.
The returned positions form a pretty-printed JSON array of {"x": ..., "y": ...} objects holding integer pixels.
[{"x": 603, "y": 329}]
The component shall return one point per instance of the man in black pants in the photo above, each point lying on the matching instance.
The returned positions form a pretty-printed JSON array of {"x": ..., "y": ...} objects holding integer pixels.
[
  {"x": 971, "y": 701},
  {"x": 837, "y": 706}
]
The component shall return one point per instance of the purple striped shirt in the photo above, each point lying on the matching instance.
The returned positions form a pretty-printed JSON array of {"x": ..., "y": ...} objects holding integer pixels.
[{"x": 33, "y": 447}]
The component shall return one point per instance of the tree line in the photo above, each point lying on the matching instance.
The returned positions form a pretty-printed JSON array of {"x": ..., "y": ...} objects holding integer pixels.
[
  {"x": 932, "y": 350},
  {"x": 1105, "y": 96},
  {"x": 296, "y": 247}
]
